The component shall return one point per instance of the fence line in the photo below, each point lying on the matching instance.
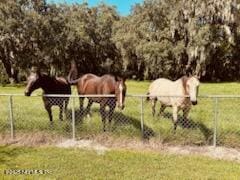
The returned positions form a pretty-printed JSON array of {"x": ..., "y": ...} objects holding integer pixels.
[
  {"x": 11, "y": 116},
  {"x": 222, "y": 116},
  {"x": 142, "y": 117},
  {"x": 73, "y": 120},
  {"x": 127, "y": 95},
  {"x": 215, "y": 101}
]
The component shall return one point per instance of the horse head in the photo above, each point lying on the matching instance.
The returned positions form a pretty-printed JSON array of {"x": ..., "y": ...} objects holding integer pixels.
[
  {"x": 192, "y": 85},
  {"x": 33, "y": 81},
  {"x": 120, "y": 91}
]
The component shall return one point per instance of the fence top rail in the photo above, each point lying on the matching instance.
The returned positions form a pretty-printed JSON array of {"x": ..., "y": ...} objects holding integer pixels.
[
  {"x": 62, "y": 95},
  {"x": 128, "y": 95},
  {"x": 200, "y": 96}
]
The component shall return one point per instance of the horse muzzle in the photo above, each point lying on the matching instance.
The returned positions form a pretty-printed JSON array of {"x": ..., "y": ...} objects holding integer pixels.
[{"x": 194, "y": 103}]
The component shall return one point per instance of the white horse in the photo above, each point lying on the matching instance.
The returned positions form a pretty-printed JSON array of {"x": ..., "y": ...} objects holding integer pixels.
[{"x": 179, "y": 95}]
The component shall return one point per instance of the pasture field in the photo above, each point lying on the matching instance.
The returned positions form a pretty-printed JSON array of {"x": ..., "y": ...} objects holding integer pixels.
[
  {"x": 204, "y": 119},
  {"x": 114, "y": 164}
]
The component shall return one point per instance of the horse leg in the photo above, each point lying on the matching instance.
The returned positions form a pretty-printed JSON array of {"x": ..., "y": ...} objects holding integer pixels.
[
  {"x": 111, "y": 110},
  {"x": 103, "y": 115},
  {"x": 175, "y": 116},
  {"x": 49, "y": 110},
  {"x": 81, "y": 101},
  {"x": 162, "y": 108},
  {"x": 61, "y": 111},
  {"x": 90, "y": 102},
  {"x": 185, "y": 116},
  {"x": 153, "y": 106},
  {"x": 65, "y": 107}
]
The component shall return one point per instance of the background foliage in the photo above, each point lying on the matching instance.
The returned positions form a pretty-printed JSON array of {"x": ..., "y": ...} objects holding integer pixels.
[{"x": 158, "y": 39}]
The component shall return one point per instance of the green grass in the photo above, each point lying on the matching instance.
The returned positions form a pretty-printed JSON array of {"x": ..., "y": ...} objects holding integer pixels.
[
  {"x": 83, "y": 164},
  {"x": 29, "y": 115}
]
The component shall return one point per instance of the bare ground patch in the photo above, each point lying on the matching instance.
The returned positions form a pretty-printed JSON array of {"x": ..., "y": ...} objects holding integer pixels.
[
  {"x": 104, "y": 143},
  {"x": 31, "y": 139},
  {"x": 210, "y": 151}
]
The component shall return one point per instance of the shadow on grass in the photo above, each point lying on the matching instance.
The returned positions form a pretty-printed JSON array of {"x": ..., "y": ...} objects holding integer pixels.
[
  {"x": 190, "y": 124},
  {"x": 8, "y": 154},
  {"x": 118, "y": 119}
]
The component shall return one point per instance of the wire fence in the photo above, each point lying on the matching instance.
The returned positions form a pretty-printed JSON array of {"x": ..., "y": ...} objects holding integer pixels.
[{"x": 215, "y": 120}]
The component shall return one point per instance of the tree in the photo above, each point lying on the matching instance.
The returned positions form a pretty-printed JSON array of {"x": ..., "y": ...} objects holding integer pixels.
[{"x": 172, "y": 38}]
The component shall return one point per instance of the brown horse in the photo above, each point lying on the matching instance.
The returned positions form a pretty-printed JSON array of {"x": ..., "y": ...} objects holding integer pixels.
[
  {"x": 90, "y": 84},
  {"x": 50, "y": 85}
]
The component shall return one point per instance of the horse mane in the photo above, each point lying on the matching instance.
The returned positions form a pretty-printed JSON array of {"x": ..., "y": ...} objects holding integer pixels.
[
  {"x": 46, "y": 76},
  {"x": 54, "y": 79}
]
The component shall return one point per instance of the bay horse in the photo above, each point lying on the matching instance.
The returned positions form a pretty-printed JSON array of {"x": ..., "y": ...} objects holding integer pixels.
[
  {"x": 180, "y": 95},
  {"x": 90, "y": 84},
  {"x": 49, "y": 85}
]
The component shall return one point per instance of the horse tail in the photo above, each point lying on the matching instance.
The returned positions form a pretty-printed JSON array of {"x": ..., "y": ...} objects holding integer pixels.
[
  {"x": 72, "y": 75},
  {"x": 72, "y": 82}
]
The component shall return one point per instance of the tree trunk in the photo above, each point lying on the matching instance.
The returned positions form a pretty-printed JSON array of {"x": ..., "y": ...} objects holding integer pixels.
[{"x": 11, "y": 72}]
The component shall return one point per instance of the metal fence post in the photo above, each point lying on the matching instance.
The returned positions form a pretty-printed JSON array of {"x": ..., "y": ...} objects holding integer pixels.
[
  {"x": 11, "y": 116},
  {"x": 142, "y": 117},
  {"x": 215, "y": 121},
  {"x": 73, "y": 119}
]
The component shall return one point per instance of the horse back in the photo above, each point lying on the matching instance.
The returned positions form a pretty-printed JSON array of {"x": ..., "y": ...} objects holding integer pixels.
[
  {"x": 160, "y": 86},
  {"x": 165, "y": 87},
  {"x": 107, "y": 85},
  {"x": 55, "y": 85},
  {"x": 92, "y": 84},
  {"x": 64, "y": 85},
  {"x": 87, "y": 84}
]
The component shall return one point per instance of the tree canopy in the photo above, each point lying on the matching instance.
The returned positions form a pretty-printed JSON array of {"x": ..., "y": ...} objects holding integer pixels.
[{"x": 159, "y": 38}]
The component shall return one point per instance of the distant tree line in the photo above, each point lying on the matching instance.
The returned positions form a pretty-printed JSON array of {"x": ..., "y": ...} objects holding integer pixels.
[{"x": 160, "y": 38}]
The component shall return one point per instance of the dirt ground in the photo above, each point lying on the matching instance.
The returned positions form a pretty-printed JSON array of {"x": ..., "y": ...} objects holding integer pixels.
[
  {"x": 210, "y": 151},
  {"x": 104, "y": 143}
]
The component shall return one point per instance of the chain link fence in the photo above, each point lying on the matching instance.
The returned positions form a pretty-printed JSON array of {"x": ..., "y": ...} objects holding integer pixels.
[{"x": 214, "y": 121}]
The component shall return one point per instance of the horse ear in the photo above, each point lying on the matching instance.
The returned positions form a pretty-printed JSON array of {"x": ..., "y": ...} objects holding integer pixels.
[
  {"x": 198, "y": 75},
  {"x": 188, "y": 72},
  {"x": 118, "y": 78}
]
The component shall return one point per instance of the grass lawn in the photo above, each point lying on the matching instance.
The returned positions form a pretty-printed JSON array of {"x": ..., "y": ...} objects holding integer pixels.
[
  {"x": 29, "y": 115},
  {"x": 83, "y": 164}
]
